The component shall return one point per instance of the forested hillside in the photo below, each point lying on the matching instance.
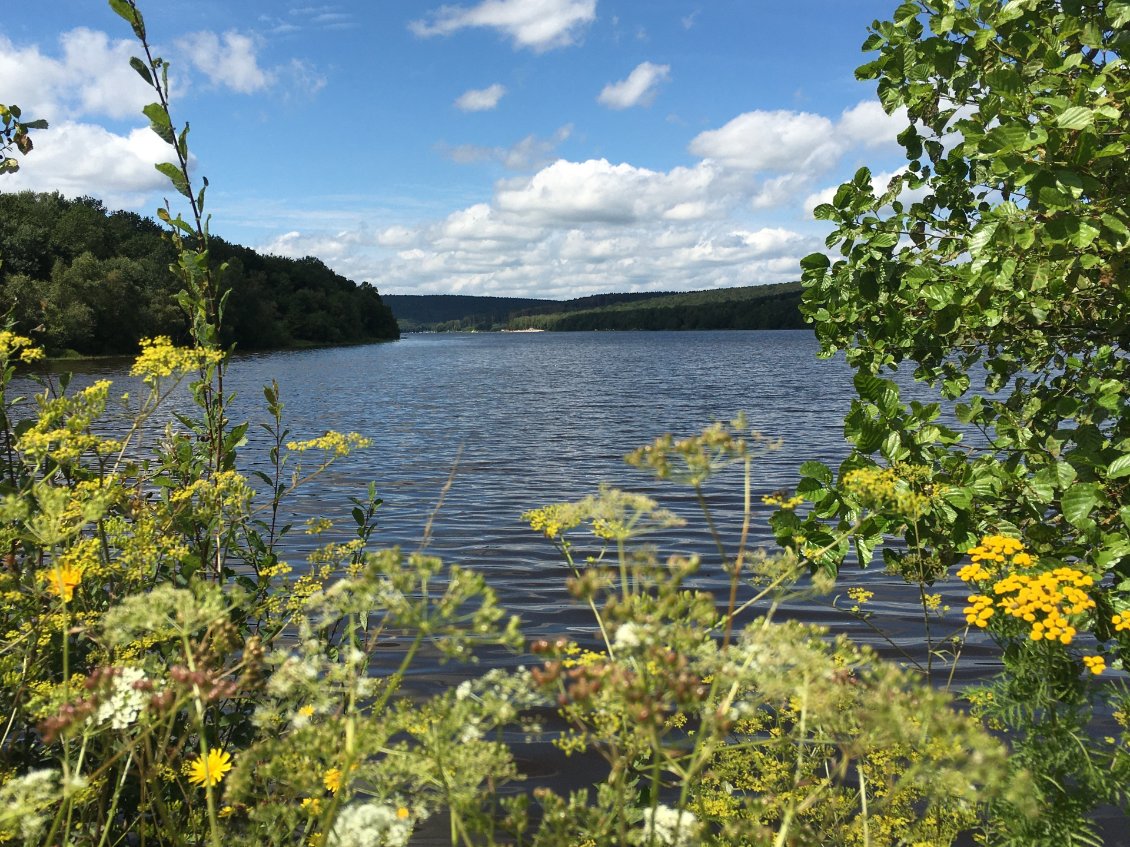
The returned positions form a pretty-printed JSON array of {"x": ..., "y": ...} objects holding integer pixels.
[
  {"x": 81, "y": 278},
  {"x": 752, "y": 307},
  {"x": 463, "y": 313}
]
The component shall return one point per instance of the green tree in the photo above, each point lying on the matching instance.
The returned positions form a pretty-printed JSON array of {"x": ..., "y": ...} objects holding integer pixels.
[{"x": 995, "y": 266}]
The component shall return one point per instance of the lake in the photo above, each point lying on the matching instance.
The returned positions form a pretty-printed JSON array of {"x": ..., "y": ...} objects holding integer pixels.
[{"x": 519, "y": 420}]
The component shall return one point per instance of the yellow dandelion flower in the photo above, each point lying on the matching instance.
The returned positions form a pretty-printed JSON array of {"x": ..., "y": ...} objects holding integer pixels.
[
  {"x": 62, "y": 580},
  {"x": 209, "y": 769},
  {"x": 332, "y": 780}
]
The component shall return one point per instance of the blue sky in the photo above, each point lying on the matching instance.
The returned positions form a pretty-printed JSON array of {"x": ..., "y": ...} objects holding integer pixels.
[{"x": 548, "y": 148}]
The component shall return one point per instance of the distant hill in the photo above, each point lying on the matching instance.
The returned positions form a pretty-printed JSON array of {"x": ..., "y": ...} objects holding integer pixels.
[
  {"x": 460, "y": 312},
  {"x": 750, "y": 307}
]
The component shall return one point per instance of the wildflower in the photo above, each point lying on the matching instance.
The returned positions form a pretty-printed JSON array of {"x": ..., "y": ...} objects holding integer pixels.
[
  {"x": 1095, "y": 664},
  {"x": 365, "y": 824},
  {"x": 159, "y": 358},
  {"x": 332, "y": 442},
  {"x": 860, "y": 595},
  {"x": 209, "y": 769},
  {"x": 1121, "y": 622},
  {"x": 979, "y": 611},
  {"x": 62, "y": 580},
  {"x": 670, "y": 827},
  {"x": 126, "y": 699},
  {"x": 312, "y": 806},
  {"x": 782, "y": 502},
  {"x": 332, "y": 780}
]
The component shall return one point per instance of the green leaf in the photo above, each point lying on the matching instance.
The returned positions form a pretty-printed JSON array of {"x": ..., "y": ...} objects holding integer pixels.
[
  {"x": 1078, "y": 501},
  {"x": 816, "y": 470},
  {"x": 1075, "y": 117},
  {"x": 1119, "y": 468},
  {"x": 141, "y": 69},
  {"x": 159, "y": 122},
  {"x": 815, "y": 262},
  {"x": 175, "y": 176},
  {"x": 131, "y": 15}
]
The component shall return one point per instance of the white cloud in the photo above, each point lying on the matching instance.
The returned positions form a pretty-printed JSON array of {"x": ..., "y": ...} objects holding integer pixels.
[
  {"x": 638, "y": 89},
  {"x": 535, "y": 24},
  {"x": 868, "y": 124},
  {"x": 771, "y": 141},
  {"x": 91, "y": 77},
  {"x": 738, "y": 214},
  {"x": 480, "y": 99},
  {"x": 229, "y": 60},
  {"x": 78, "y": 158}
]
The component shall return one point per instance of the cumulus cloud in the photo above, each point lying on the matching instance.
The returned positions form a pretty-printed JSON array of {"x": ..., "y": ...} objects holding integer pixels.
[
  {"x": 638, "y": 89},
  {"x": 771, "y": 141},
  {"x": 90, "y": 77},
  {"x": 229, "y": 60},
  {"x": 480, "y": 99},
  {"x": 868, "y": 124},
  {"x": 739, "y": 214},
  {"x": 78, "y": 158},
  {"x": 538, "y": 25}
]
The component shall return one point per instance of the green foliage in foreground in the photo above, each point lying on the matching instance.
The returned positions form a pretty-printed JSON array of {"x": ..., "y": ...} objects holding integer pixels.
[
  {"x": 995, "y": 268},
  {"x": 97, "y": 282},
  {"x": 168, "y": 679}
]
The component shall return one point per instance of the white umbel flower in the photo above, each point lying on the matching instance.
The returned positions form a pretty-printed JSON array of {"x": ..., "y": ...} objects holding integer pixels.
[
  {"x": 124, "y": 702},
  {"x": 371, "y": 825},
  {"x": 669, "y": 827}
]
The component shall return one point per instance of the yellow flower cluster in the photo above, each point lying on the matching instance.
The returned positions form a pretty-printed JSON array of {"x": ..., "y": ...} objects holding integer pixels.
[
  {"x": 331, "y": 442},
  {"x": 882, "y": 489},
  {"x": 1046, "y": 601},
  {"x": 62, "y": 431},
  {"x": 996, "y": 551},
  {"x": 1121, "y": 622},
  {"x": 860, "y": 595},
  {"x": 160, "y": 358},
  {"x": 786, "y": 503},
  {"x": 10, "y": 343},
  {"x": 1095, "y": 664},
  {"x": 979, "y": 611},
  {"x": 554, "y": 519}
]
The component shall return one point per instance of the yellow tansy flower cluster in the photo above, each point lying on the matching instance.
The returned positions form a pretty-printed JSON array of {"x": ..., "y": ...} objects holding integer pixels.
[
  {"x": 996, "y": 551},
  {"x": 979, "y": 611},
  {"x": 1095, "y": 664},
  {"x": 160, "y": 358},
  {"x": 1045, "y": 601}
]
